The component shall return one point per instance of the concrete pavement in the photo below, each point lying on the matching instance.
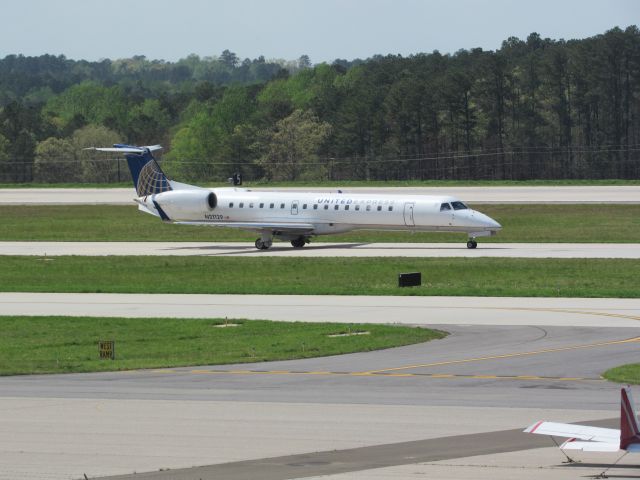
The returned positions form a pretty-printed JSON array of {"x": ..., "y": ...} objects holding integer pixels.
[
  {"x": 500, "y": 195},
  {"x": 418, "y": 310},
  {"x": 281, "y": 249}
]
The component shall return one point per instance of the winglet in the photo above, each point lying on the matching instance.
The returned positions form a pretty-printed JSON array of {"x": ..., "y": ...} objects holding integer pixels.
[{"x": 629, "y": 432}]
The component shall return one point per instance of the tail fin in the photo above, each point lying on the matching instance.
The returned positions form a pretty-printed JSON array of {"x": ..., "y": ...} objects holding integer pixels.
[
  {"x": 629, "y": 432},
  {"x": 148, "y": 177}
]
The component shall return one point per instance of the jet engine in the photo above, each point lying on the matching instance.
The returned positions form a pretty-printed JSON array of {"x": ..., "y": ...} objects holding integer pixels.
[{"x": 185, "y": 204}]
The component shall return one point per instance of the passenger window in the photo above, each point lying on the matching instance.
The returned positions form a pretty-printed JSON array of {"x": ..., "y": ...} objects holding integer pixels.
[
  {"x": 379, "y": 208},
  {"x": 241, "y": 204},
  {"x": 346, "y": 207},
  {"x": 357, "y": 207},
  {"x": 459, "y": 206},
  {"x": 336, "y": 207},
  {"x": 271, "y": 205},
  {"x": 230, "y": 204},
  {"x": 251, "y": 205},
  {"x": 326, "y": 207},
  {"x": 282, "y": 205},
  {"x": 390, "y": 208},
  {"x": 262, "y": 205},
  {"x": 315, "y": 207},
  {"x": 368, "y": 208},
  {"x": 304, "y": 206},
  {"x": 444, "y": 207}
]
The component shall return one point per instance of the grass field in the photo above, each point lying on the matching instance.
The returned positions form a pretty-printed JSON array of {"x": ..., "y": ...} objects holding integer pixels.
[
  {"x": 65, "y": 344},
  {"x": 521, "y": 223},
  {"x": 624, "y": 374},
  {"x": 355, "y": 183},
  {"x": 322, "y": 276}
]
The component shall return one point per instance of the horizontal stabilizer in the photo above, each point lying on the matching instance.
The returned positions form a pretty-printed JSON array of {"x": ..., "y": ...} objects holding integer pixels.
[
  {"x": 582, "y": 432},
  {"x": 590, "y": 446},
  {"x": 126, "y": 149}
]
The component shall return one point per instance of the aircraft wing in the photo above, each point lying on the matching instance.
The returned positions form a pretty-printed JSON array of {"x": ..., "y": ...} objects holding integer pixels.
[
  {"x": 296, "y": 228},
  {"x": 596, "y": 439}
]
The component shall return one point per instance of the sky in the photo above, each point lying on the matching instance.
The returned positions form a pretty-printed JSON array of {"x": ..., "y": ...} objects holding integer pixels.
[{"x": 323, "y": 29}]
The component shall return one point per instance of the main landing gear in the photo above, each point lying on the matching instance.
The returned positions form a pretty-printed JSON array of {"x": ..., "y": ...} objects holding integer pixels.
[
  {"x": 262, "y": 244},
  {"x": 472, "y": 243},
  {"x": 299, "y": 242}
]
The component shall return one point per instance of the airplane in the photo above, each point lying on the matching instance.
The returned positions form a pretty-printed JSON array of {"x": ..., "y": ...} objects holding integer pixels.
[
  {"x": 597, "y": 439},
  {"x": 294, "y": 216}
]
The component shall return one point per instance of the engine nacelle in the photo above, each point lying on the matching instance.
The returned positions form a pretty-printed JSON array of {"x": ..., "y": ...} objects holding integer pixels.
[{"x": 186, "y": 204}]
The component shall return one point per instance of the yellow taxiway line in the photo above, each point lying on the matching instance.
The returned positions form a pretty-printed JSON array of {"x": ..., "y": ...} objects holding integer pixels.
[
  {"x": 398, "y": 371},
  {"x": 370, "y": 374},
  {"x": 508, "y": 355}
]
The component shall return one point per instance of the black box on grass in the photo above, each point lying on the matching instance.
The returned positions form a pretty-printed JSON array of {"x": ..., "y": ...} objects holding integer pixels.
[{"x": 413, "y": 279}]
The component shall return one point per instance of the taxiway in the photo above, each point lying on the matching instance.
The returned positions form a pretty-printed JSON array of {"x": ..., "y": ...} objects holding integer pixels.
[
  {"x": 281, "y": 249},
  {"x": 397, "y": 413},
  {"x": 629, "y": 194},
  {"x": 408, "y": 310}
]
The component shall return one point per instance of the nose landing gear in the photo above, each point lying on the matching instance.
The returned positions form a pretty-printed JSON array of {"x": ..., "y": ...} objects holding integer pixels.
[{"x": 472, "y": 243}]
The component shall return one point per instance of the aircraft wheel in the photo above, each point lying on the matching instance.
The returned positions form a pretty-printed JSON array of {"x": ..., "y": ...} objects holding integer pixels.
[
  {"x": 298, "y": 242},
  {"x": 262, "y": 245},
  {"x": 472, "y": 244}
]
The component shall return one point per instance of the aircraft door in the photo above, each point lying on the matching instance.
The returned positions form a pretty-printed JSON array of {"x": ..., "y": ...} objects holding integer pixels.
[
  {"x": 408, "y": 214},
  {"x": 294, "y": 207}
]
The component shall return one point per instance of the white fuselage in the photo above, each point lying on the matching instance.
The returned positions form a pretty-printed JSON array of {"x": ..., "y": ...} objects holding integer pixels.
[{"x": 324, "y": 213}]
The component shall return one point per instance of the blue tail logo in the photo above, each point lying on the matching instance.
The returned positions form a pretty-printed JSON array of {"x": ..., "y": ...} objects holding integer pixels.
[{"x": 148, "y": 177}]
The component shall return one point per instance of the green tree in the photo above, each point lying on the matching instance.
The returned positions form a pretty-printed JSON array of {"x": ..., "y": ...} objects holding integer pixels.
[
  {"x": 4, "y": 149},
  {"x": 96, "y": 168},
  {"x": 229, "y": 59},
  {"x": 96, "y": 104},
  {"x": 56, "y": 161},
  {"x": 203, "y": 147},
  {"x": 304, "y": 62},
  {"x": 293, "y": 146},
  {"x": 147, "y": 123},
  {"x": 4, "y": 160},
  {"x": 22, "y": 126}
]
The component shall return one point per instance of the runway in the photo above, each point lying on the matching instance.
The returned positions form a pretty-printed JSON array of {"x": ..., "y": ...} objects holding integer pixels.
[
  {"x": 282, "y": 249},
  {"x": 498, "y": 195}
]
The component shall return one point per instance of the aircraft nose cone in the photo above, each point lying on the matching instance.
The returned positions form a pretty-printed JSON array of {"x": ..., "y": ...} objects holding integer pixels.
[
  {"x": 494, "y": 224},
  {"x": 487, "y": 221}
]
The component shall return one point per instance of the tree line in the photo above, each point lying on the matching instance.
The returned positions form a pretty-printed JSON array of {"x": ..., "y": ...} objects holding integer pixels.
[{"x": 534, "y": 109}]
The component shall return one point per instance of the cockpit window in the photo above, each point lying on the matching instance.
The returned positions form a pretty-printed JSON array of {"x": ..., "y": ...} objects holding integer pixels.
[
  {"x": 459, "y": 206},
  {"x": 444, "y": 207}
]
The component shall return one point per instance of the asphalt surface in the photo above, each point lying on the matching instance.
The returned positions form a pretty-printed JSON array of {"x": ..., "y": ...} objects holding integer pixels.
[
  {"x": 499, "y": 366},
  {"x": 420, "y": 250},
  {"x": 501, "y": 195},
  {"x": 351, "y": 416},
  {"x": 354, "y": 459}
]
